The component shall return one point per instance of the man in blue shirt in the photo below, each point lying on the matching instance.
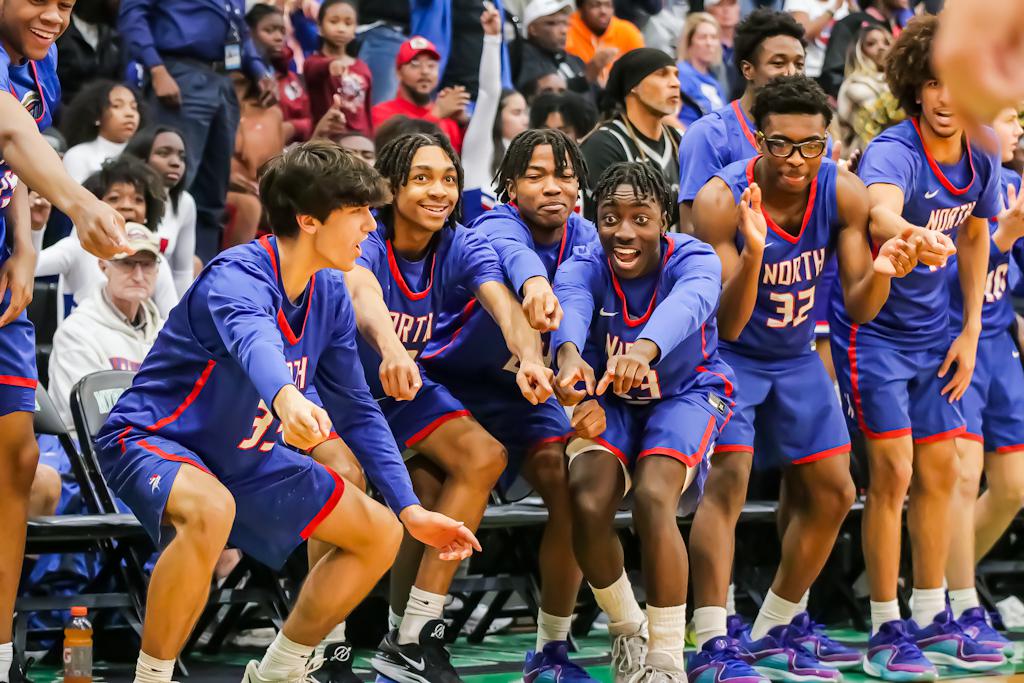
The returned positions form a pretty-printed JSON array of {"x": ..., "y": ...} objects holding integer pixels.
[{"x": 187, "y": 48}]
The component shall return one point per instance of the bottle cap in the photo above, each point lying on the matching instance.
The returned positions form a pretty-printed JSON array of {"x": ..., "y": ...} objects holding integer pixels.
[{"x": 79, "y": 611}]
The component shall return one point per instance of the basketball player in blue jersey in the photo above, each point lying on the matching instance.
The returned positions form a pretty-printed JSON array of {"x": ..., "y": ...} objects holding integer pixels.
[
  {"x": 994, "y": 440},
  {"x": 900, "y": 377},
  {"x": 31, "y": 91},
  {"x": 768, "y": 44},
  {"x": 186, "y": 446},
  {"x": 532, "y": 231},
  {"x": 430, "y": 271},
  {"x": 639, "y": 341},
  {"x": 775, "y": 221}
]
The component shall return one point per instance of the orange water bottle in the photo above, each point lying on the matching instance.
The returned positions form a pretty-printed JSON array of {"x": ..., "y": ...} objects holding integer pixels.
[{"x": 78, "y": 647}]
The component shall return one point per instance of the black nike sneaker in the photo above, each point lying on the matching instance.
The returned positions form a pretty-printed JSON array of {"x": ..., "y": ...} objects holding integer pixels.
[
  {"x": 337, "y": 666},
  {"x": 424, "y": 662},
  {"x": 17, "y": 672}
]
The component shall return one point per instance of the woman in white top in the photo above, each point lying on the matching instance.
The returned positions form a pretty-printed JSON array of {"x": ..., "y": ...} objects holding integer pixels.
[
  {"x": 137, "y": 193},
  {"x": 163, "y": 148},
  {"x": 499, "y": 116},
  {"x": 97, "y": 124},
  {"x": 817, "y": 17}
]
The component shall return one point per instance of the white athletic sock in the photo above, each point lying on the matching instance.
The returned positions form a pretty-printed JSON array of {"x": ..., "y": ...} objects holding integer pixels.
[
  {"x": 775, "y": 611},
  {"x": 962, "y": 600},
  {"x": 337, "y": 635},
  {"x": 708, "y": 623},
  {"x": 803, "y": 601},
  {"x": 730, "y": 600},
  {"x": 882, "y": 612},
  {"x": 284, "y": 658},
  {"x": 152, "y": 670},
  {"x": 394, "y": 619},
  {"x": 551, "y": 628},
  {"x": 667, "y": 634},
  {"x": 422, "y": 607},
  {"x": 619, "y": 603},
  {"x": 926, "y": 603},
  {"x": 6, "y": 659}
]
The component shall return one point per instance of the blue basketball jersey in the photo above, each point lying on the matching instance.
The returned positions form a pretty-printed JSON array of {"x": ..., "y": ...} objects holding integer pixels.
[
  {"x": 674, "y": 307},
  {"x": 431, "y": 294},
  {"x": 782, "y": 323},
  {"x": 938, "y": 197},
  {"x": 36, "y": 86},
  {"x": 997, "y": 309},
  {"x": 713, "y": 142},
  {"x": 477, "y": 344},
  {"x": 231, "y": 345}
]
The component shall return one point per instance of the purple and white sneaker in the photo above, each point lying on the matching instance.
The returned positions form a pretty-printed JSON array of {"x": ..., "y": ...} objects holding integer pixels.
[
  {"x": 974, "y": 623},
  {"x": 721, "y": 661},
  {"x": 893, "y": 656},
  {"x": 776, "y": 660},
  {"x": 552, "y": 665},
  {"x": 805, "y": 633},
  {"x": 943, "y": 642}
]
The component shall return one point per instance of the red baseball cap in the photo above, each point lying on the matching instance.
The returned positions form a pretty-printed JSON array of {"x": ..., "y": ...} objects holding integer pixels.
[{"x": 413, "y": 48}]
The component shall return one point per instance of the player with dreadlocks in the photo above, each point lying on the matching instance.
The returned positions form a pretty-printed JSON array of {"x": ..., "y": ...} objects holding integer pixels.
[
  {"x": 639, "y": 341},
  {"x": 428, "y": 269},
  {"x": 533, "y": 231}
]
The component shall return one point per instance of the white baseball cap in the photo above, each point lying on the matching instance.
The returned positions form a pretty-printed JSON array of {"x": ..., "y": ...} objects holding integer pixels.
[{"x": 544, "y": 8}]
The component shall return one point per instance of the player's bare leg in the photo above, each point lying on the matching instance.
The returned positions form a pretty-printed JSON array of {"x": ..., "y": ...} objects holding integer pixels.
[
  {"x": 936, "y": 468},
  {"x": 427, "y": 481},
  {"x": 960, "y": 564},
  {"x": 596, "y": 487},
  {"x": 1002, "y": 500},
  {"x": 20, "y": 455},
  {"x": 891, "y": 463},
  {"x": 202, "y": 512},
  {"x": 659, "y": 481},
  {"x": 712, "y": 541},
  {"x": 364, "y": 536}
]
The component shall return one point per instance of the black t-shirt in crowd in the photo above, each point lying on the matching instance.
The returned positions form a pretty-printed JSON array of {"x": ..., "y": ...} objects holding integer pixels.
[
  {"x": 394, "y": 12},
  {"x": 463, "y": 67}
]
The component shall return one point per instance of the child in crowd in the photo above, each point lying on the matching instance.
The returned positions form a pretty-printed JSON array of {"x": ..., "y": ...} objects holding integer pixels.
[
  {"x": 268, "y": 30},
  {"x": 97, "y": 125},
  {"x": 332, "y": 71}
]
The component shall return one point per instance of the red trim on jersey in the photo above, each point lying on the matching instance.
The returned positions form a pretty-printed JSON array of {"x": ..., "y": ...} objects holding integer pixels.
[
  {"x": 282, "y": 322},
  {"x": 728, "y": 384},
  {"x": 15, "y": 381},
  {"x": 792, "y": 239},
  {"x": 265, "y": 243},
  {"x": 39, "y": 90},
  {"x": 172, "y": 457},
  {"x": 330, "y": 437},
  {"x": 741, "y": 118},
  {"x": 400, "y": 279},
  {"x": 972, "y": 437},
  {"x": 196, "y": 388},
  {"x": 561, "y": 248},
  {"x": 429, "y": 429},
  {"x": 612, "y": 449},
  {"x": 821, "y": 455},
  {"x": 704, "y": 341},
  {"x": 1011, "y": 449},
  {"x": 938, "y": 171},
  {"x": 466, "y": 310},
  {"x": 332, "y": 502},
  {"x": 120, "y": 439},
  {"x": 942, "y": 436},
  {"x": 688, "y": 460},
  {"x": 725, "y": 448},
  {"x": 633, "y": 322}
]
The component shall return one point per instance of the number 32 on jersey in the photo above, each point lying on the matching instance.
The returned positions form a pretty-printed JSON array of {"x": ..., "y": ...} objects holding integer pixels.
[{"x": 793, "y": 308}]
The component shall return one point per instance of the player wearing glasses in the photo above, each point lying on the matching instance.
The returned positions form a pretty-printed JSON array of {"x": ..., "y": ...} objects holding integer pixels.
[{"x": 774, "y": 221}]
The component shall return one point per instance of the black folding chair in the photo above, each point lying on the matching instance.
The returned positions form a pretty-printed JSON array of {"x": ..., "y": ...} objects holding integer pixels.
[{"x": 115, "y": 589}]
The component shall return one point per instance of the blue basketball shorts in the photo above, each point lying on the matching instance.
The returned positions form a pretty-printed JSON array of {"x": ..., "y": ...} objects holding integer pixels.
[
  {"x": 993, "y": 406},
  {"x": 18, "y": 377}
]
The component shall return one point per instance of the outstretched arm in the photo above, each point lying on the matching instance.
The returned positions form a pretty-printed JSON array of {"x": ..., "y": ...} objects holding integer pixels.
[
  {"x": 716, "y": 218},
  {"x": 533, "y": 377}
]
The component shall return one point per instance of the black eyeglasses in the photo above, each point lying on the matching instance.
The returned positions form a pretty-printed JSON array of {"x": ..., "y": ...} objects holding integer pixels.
[{"x": 783, "y": 147}]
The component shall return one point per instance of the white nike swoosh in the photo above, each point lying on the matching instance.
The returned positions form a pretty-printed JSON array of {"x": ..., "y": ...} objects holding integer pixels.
[
  {"x": 606, "y": 314},
  {"x": 419, "y": 664},
  {"x": 768, "y": 244},
  {"x": 1016, "y": 354},
  {"x": 929, "y": 195}
]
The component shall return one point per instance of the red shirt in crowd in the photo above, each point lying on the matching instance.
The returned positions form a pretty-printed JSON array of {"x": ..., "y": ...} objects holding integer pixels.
[
  {"x": 403, "y": 107},
  {"x": 292, "y": 97},
  {"x": 354, "y": 85}
]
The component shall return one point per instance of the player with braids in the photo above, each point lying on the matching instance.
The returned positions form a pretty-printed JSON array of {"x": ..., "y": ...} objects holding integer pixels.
[
  {"x": 533, "y": 231},
  {"x": 637, "y": 350},
  {"x": 426, "y": 269}
]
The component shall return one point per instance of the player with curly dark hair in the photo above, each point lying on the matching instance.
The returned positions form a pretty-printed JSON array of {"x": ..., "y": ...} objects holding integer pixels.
[
  {"x": 767, "y": 45},
  {"x": 775, "y": 222},
  {"x": 902, "y": 375}
]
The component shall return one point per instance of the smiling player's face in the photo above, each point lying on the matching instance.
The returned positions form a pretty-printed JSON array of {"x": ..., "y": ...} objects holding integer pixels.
[
  {"x": 28, "y": 28},
  {"x": 337, "y": 240},
  {"x": 792, "y": 173},
  {"x": 630, "y": 229},
  {"x": 544, "y": 195},
  {"x": 430, "y": 192}
]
